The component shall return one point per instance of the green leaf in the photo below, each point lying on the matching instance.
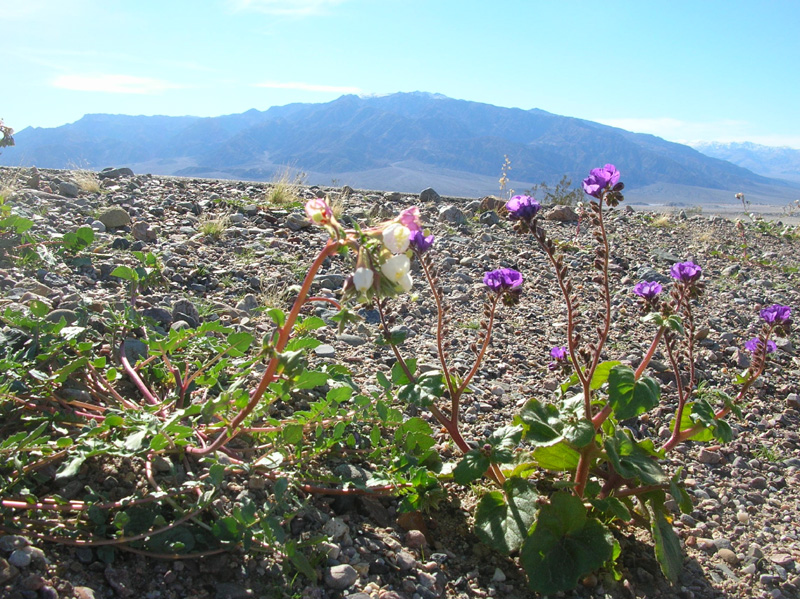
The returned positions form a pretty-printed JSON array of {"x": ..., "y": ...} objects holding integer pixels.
[
  {"x": 395, "y": 338},
  {"x": 399, "y": 376},
  {"x": 680, "y": 494},
  {"x": 38, "y": 308},
  {"x": 293, "y": 433},
  {"x": 471, "y": 467},
  {"x": 612, "y": 508},
  {"x": 427, "y": 389},
  {"x": 667, "y": 545},
  {"x": 632, "y": 460},
  {"x": 71, "y": 467},
  {"x": 310, "y": 323},
  {"x": 125, "y": 272},
  {"x": 302, "y": 343},
  {"x": 277, "y": 315},
  {"x": 502, "y": 519},
  {"x": 310, "y": 379},
  {"x": 240, "y": 343},
  {"x": 602, "y": 373},
  {"x": 503, "y": 441},
  {"x": 545, "y": 424},
  {"x": 564, "y": 545},
  {"x": 557, "y": 458},
  {"x": 629, "y": 397},
  {"x": 385, "y": 383},
  {"x": 134, "y": 442},
  {"x": 339, "y": 394}
]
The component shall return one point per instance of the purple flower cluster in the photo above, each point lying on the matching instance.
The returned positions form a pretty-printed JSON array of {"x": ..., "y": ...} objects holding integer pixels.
[
  {"x": 648, "y": 289},
  {"x": 754, "y": 344},
  {"x": 560, "y": 354},
  {"x": 502, "y": 279},
  {"x": 600, "y": 179},
  {"x": 685, "y": 272},
  {"x": 419, "y": 242},
  {"x": 523, "y": 208},
  {"x": 777, "y": 314}
]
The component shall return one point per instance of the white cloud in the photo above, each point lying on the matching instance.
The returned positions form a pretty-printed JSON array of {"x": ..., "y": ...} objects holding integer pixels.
[
  {"x": 113, "y": 84},
  {"x": 293, "y": 8},
  {"x": 309, "y": 87},
  {"x": 689, "y": 132}
]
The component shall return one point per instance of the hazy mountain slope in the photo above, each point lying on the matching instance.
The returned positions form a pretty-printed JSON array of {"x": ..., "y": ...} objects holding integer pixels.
[
  {"x": 422, "y": 135},
  {"x": 781, "y": 163}
]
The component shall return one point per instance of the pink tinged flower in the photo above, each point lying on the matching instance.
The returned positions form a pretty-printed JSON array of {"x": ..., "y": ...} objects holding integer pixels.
[
  {"x": 318, "y": 211},
  {"x": 776, "y": 314},
  {"x": 685, "y": 272},
  {"x": 502, "y": 279},
  {"x": 396, "y": 238},
  {"x": 559, "y": 353},
  {"x": 522, "y": 207},
  {"x": 600, "y": 179},
  {"x": 648, "y": 289},
  {"x": 410, "y": 218},
  {"x": 754, "y": 344},
  {"x": 396, "y": 269},
  {"x": 362, "y": 279}
]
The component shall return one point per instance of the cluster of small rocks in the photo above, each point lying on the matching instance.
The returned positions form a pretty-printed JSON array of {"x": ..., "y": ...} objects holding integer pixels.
[{"x": 741, "y": 540}]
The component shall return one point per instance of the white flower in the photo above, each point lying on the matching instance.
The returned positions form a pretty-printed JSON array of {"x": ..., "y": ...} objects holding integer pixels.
[
  {"x": 405, "y": 282},
  {"x": 396, "y": 268},
  {"x": 362, "y": 279},
  {"x": 396, "y": 237}
]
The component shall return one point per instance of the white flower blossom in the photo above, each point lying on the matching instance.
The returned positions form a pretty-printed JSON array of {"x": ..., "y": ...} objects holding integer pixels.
[
  {"x": 396, "y": 270},
  {"x": 362, "y": 279},
  {"x": 396, "y": 237},
  {"x": 405, "y": 282}
]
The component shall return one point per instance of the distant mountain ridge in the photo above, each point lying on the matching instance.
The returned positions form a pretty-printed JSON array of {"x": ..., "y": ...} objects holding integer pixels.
[
  {"x": 770, "y": 161},
  {"x": 403, "y": 141}
]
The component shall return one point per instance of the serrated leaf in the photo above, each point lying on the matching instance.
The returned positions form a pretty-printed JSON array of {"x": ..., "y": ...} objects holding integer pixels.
[
  {"x": 240, "y": 343},
  {"x": 629, "y": 397},
  {"x": 134, "y": 441},
  {"x": 339, "y": 394},
  {"x": 667, "y": 545},
  {"x": 125, "y": 272},
  {"x": 471, "y": 467},
  {"x": 502, "y": 519},
  {"x": 542, "y": 422},
  {"x": 399, "y": 376},
  {"x": 384, "y": 382},
  {"x": 602, "y": 372},
  {"x": 564, "y": 545},
  {"x": 558, "y": 458},
  {"x": 292, "y": 433},
  {"x": 632, "y": 461}
]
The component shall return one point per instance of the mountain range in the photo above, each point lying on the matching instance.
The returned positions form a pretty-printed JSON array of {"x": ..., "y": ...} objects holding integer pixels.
[
  {"x": 776, "y": 162},
  {"x": 402, "y": 142}
]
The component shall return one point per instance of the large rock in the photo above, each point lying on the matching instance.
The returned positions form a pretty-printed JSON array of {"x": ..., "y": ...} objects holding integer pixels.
[
  {"x": 115, "y": 173},
  {"x": 340, "y": 577},
  {"x": 114, "y": 217},
  {"x": 563, "y": 214},
  {"x": 68, "y": 189},
  {"x": 429, "y": 195},
  {"x": 452, "y": 215}
]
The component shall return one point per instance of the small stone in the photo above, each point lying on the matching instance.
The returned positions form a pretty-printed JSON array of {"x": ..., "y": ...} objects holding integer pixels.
[
  {"x": 709, "y": 457},
  {"x": 749, "y": 569},
  {"x": 335, "y": 528},
  {"x": 415, "y": 539},
  {"x": 7, "y": 571},
  {"x": 340, "y": 577},
  {"x": 249, "y": 304},
  {"x": 728, "y": 556},
  {"x": 9, "y": 543},
  {"x": 499, "y": 576},
  {"x": 743, "y": 517},
  {"x": 115, "y": 173},
  {"x": 84, "y": 593},
  {"x": 48, "y": 592},
  {"x": 296, "y": 221},
  {"x": 405, "y": 561},
  {"x": 781, "y": 559},
  {"x": 563, "y": 214},
  {"x": 759, "y": 482},
  {"x": 20, "y": 558},
  {"x": 325, "y": 351}
]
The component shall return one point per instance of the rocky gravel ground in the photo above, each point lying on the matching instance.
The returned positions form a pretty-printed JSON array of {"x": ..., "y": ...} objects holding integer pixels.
[{"x": 742, "y": 539}]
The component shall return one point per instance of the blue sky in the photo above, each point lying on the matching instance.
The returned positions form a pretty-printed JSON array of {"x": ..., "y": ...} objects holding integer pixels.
[{"x": 686, "y": 71}]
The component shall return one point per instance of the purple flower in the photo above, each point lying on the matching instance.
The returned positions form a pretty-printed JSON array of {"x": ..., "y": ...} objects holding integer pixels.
[
  {"x": 522, "y": 207},
  {"x": 685, "y": 272},
  {"x": 559, "y": 353},
  {"x": 776, "y": 314},
  {"x": 600, "y": 179},
  {"x": 419, "y": 242},
  {"x": 648, "y": 289},
  {"x": 502, "y": 279},
  {"x": 753, "y": 345}
]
